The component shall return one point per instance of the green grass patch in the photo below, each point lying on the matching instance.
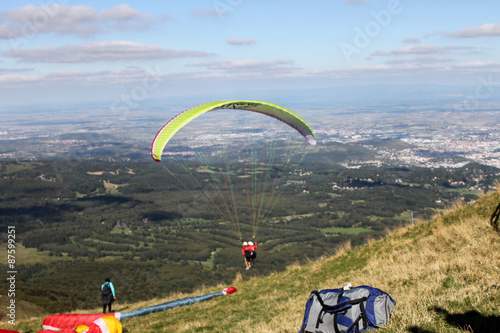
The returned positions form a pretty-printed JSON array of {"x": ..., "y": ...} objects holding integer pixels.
[{"x": 30, "y": 256}]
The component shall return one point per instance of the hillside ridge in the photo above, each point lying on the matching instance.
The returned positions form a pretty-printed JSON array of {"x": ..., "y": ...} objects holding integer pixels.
[{"x": 442, "y": 273}]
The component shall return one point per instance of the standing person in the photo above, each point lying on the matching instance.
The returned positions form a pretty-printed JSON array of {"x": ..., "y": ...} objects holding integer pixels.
[
  {"x": 107, "y": 294},
  {"x": 245, "y": 251}
]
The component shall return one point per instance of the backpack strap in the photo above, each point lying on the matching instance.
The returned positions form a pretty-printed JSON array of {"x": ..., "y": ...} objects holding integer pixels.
[
  {"x": 336, "y": 315},
  {"x": 362, "y": 315},
  {"x": 339, "y": 308},
  {"x": 328, "y": 308}
]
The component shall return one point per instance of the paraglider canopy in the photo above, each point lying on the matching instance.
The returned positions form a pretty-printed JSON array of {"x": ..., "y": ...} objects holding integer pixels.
[{"x": 269, "y": 109}]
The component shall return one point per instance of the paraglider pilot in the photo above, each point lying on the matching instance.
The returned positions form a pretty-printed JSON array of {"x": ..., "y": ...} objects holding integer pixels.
[
  {"x": 248, "y": 251},
  {"x": 244, "y": 251},
  {"x": 107, "y": 295}
]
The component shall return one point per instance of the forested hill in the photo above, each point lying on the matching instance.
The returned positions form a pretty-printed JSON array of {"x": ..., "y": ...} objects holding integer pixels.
[{"x": 442, "y": 273}]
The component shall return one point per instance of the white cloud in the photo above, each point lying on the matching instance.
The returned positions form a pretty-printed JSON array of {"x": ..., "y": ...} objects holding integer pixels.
[
  {"x": 411, "y": 40},
  {"x": 278, "y": 66},
  {"x": 99, "y": 51},
  {"x": 459, "y": 48},
  {"x": 11, "y": 80},
  {"x": 423, "y": 59},
  {"x": 479, "y": 64},
  {"x": 79, "y": 20},
  {"x": 419, "y": 49},
  {"x": 80, "y": 77},
  {"x": 240, "y": 41},
  {"x": 121, "y": 12},
  {"x": 407, "y": 69},
  {"x": 90, "y": 78},
  {"x": 481, "y": 31},
  {"x": 15, "y": 70}
]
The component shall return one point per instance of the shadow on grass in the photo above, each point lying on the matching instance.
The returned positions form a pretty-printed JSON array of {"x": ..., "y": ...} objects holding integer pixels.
[
  {"x": 494, "y": 219},
  {"x": 471, "y": 321}
]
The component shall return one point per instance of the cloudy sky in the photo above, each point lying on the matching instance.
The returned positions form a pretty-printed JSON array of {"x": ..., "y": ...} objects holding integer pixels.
[{"x": 69, "y": 50}]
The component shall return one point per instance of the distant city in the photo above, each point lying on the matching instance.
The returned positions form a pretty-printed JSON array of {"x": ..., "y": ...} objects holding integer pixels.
[
  {"x": 427, "y": 138},
  {"x": 431, "y": 151}
]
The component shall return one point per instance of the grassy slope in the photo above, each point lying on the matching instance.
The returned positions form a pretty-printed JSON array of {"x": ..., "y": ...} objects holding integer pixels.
[{"x": 443, "y": 275}]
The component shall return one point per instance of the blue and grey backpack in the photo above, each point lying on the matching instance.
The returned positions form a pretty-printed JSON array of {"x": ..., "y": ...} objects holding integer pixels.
[{"x": 344, "y": 311}]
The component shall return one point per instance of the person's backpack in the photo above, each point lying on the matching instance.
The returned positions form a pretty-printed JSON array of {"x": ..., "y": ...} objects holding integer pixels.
[
  {"x": 345, "y": 311},
  {"x": 106, "y": 291}
]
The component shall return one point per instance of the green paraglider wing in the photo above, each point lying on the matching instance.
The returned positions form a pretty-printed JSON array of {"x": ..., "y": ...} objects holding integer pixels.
[{"x": 269, "y": 109}]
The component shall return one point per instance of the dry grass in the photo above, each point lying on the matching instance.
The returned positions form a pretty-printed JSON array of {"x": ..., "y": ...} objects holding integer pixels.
[
  {"x": 452, "y": 264},
  {"x": 443, "y": 275}
]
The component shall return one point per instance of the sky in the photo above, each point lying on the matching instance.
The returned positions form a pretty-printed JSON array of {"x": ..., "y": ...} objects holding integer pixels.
[{"x": 69, "y": 51}]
